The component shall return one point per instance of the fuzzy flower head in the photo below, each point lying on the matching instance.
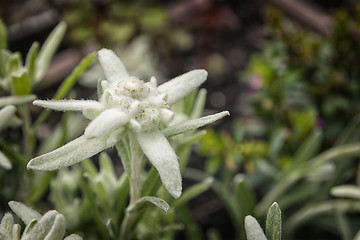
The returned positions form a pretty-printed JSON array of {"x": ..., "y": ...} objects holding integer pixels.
[{"x": 129, "y": 104}]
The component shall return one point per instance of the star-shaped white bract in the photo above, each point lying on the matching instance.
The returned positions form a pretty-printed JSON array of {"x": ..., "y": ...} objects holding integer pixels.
[{"x": 128, "y": 104}]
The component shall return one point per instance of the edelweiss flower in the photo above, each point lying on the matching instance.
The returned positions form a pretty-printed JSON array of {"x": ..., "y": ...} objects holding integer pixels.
[{"x": 128, "y": 104}]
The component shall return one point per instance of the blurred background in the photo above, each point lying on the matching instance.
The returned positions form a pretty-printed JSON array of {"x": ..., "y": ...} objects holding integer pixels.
[{"x": 287, "y": 70}]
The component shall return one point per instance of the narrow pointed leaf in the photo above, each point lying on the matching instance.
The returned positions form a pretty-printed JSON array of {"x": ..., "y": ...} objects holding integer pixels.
[
  {"x": 3, "y": 35},
  {"x": 112, "y": 66},
  {"x": 253, "y": 229},
  {"x": 25, "y": 213},
  {"x": 69, "y": 154},
  {"x": 106, "y": 122},
  {"x": 193, "y": 124},
  {"x": 4, "y": 161},
  {"x": 162, "y": 204},
  {"x": 273, "y": 223},
  {"x": 346, "y": 191},
  {"x": 68, "y": 105},
  {"x": 16, "y": 100},
  {"x": 48, "y": 50},
  {"x": 244, "y": 196},
  {"x": 199, "y": 104},
  {"x": 30, "y": 62},
  {"x": 160, "y": 153},
  {"x": 179, "y": 87},
  {"x": 16, "y": 232}
]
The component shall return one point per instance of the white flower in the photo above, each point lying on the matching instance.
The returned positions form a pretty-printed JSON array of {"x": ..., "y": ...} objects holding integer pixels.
[{"x": 128, "y": 104}]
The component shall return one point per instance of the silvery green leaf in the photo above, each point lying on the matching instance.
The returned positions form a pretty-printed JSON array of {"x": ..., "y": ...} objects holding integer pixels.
[
  {"x": 48, "y": 50},
  {"x": 25, "y": 213},
  {"x": 112, "y": 66},
  {"x": 273, "y": 223},
  {"x": 160, "y": 153},
  {"x": 16, "y": 232},
  {"x": 71, "y": 153},
  {"x": 68, "y": 105},
  {"x": 193, "y": 124},
  {"x": 6, "y": 226},
  {"x": 41, "y": 227},
  {"x": 177, "y": 88},
  {"x": 16, "y": 100},
  {"x": 106, "y": 122},
  {"x": 57, "y": 230},
  {"x": 30, "y": 62},
  {"x": 253, "y": 229},
  {"x": 28, "y": 228},
  {"x": 5, "y": 115},
  {"x": 73, "y": 237},
  {"x": 346, "y": 191},
  {"x": 162, "y": 204}
]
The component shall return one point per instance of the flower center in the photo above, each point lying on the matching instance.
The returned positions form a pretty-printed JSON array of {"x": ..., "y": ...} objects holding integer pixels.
[{"x": 141, "y": 101}]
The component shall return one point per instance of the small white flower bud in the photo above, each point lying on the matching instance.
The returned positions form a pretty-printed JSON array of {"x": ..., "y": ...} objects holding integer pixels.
[{"x": 166, "y": 115}]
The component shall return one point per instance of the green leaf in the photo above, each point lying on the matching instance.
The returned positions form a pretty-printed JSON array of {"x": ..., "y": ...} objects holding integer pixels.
[
  {"x": 3, "y": 35},
  {"x": 244, "y": 196},
  {"x": 25, "y": 213},
  {"x": 309, "y": 148},
  {"x": 30, "y": 62},
  {"x": 273, "y": 223},
  {"x": 20, "y": 84},
  {"x": 70, "y": 81},
  {"x": 162, "y": 204},
  {"x": 40, "y": 187},
  {"x": 253, "y": 229},
  {"x": 48, "y": 50},
  {"x": 199, "y": 104},
  {"x": 4, "y": 58},
  {"x": 193, "y": 191}
]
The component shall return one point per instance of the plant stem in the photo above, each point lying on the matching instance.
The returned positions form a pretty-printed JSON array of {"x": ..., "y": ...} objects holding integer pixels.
[
  {"x": 134, "y": 174},
  {"x": 27, "y": 133}
]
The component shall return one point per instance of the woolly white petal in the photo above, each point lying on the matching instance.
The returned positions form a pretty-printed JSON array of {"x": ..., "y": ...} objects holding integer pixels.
[
  {"x": 68, "y": 105},
  {"x": 177, "y": 88},
  {"x": 193, "y": 124},
  {"x": 69, "y": 154},
  {"x": 112, "y": 66},
  {"x": 106, "y": 122},
  {"x": 160, "y": 153}
]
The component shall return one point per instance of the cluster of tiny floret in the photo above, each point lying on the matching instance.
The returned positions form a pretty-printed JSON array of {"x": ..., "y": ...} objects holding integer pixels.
[{"x": 142, "y": 101}]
